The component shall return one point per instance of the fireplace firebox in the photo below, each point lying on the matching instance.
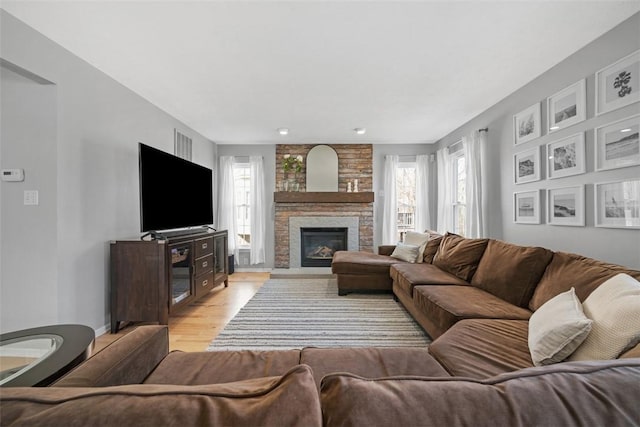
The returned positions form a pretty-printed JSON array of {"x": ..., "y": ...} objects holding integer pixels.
[{"x": 317, "y": 245}]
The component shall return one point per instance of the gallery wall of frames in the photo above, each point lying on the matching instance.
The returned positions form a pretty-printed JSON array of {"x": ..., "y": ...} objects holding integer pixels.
[{"x": 616, "y": 145}]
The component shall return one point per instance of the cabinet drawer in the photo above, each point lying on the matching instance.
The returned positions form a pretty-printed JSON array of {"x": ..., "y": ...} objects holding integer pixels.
[
  {"x": 204, "y": 247},
  {"x": 204, "y": 284},
  {"x": 204, "y": 265}
]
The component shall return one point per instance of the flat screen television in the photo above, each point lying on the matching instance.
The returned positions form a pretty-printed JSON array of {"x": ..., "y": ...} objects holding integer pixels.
[{"x": 174, "y": 193}]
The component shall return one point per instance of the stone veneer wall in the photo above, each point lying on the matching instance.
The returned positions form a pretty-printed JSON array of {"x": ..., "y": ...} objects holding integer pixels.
[{"x": 355, "y": 161}]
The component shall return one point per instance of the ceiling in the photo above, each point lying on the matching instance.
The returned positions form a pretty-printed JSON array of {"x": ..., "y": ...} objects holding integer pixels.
[{"x": 408, "y": 72}]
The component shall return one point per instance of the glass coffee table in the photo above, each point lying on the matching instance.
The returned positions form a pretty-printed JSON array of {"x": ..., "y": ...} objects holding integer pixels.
[{"x": 37, "y": 357}]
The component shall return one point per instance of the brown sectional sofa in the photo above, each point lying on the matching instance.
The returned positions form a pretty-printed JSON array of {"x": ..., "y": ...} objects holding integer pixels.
[
  {"x": 135, "y": 381},
  {"x": 474, "y": 296}
]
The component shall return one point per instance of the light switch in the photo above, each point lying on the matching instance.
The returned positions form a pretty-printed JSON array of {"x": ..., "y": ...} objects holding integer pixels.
[{"x": 30, "y": 197}]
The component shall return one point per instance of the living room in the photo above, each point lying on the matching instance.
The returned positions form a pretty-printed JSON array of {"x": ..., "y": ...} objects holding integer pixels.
[{"x": 86, "y": 169}]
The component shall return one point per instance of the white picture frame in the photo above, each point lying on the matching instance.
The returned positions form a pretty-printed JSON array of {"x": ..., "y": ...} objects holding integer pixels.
[
  {"x": 566, "y": 156},
  {"x": 567, "y": 107},
  {"x": 565, "y": 206},
  {"x": 617, "y": 204},
  {"x": 618, "y": 84},
  {"x": 526, "y": 207},
  {"x": 617, "y": 144},
  {"x": 527, "y": 125},
  {"x": 526, "y": 166}
]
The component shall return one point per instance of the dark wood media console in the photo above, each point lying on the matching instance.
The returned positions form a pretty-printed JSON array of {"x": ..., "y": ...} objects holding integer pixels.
[{"x": 150, "y": 279}]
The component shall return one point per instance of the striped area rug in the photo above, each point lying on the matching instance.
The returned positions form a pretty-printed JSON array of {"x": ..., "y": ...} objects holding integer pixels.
[{"x": 297, "y": 313}]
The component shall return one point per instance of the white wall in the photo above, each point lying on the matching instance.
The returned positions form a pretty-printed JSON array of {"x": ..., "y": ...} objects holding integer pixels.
[
  {"x": 99, "y": 123},
  {"x": 621, "y": 246}
]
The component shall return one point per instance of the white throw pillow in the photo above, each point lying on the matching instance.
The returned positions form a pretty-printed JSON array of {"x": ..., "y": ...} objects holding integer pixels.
[
  {"x": 557, "y": 328},
  {"x": 417, "y": 239},
  {"x": 614, "y": 307},
  {"x": 405, "y": 252}
]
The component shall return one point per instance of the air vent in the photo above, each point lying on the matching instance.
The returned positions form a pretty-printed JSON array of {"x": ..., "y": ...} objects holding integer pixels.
[{"x": 181, "y": 145}]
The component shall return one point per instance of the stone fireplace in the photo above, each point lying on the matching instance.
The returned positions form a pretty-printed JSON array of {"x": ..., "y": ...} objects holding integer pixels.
[{"x": 353, "y": 211}]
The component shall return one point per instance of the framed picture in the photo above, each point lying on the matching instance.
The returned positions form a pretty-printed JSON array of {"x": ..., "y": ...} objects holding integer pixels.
[
  {"x": 567, "y": 107},
  {"x": 617, "y": 144},
  {"x": 565, "y": 206},
  {"x": 526, "y": 124},
  {"x": 526, "y": 166},
  {"x": 618, "y": 204},
  {"x": 618, "y": 84},
  {"x": 526, "y": 207},
  {"x": 566, "y": 156}
]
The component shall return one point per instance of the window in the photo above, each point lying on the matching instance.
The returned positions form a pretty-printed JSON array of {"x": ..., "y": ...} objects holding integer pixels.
[
  {"x": 406, "y": 194},
  {"x": 242, "y": 180},
  {"x": 460, "y": 189}
]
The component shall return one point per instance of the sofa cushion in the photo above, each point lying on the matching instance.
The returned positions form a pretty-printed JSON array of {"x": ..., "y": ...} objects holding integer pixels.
[
  {"x": 446, "y": 305},
  {"x": 459, "y": 256},
  {"x": 557, "y": 328},
  {"x": 406, "y": 252},
  {"x": 407, "y": 276},
  {"x": 482, "y": 348},
  {"x": 213, "y": 367},
  {"x": 571, "y": 394},
  {"x": 511, "y": 272},
  {"x": 371, "y": 362},
  {"x": 614, "y": 308},
  {"x": 354, "y": 262},
  {"x": 570, "y": 270},
  {"x": 288, "y": 400}
]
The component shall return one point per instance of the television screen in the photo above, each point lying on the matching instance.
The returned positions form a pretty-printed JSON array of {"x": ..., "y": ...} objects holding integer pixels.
[{"x": 174, "y": 193}]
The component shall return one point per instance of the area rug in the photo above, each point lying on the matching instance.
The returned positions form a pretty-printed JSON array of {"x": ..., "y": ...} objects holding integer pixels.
[{"x": 297, "y": 313}]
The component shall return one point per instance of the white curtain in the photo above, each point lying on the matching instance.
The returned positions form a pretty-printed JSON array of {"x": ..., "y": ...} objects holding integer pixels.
[
  {"x": 445, "y": 191},
  {"x": 390, "y": 214},
  {"x": 474, "y": 147},
  {"x": 257, "y": 210},
  {"x": 423, "y": 218},
  {"x": 227, "y": 204}
]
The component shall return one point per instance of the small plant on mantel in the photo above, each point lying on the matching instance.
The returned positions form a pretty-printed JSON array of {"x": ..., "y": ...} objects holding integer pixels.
[{"x": 292, "y": 164}]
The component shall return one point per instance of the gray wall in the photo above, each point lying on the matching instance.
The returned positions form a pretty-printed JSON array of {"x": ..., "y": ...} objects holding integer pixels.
[
  {"x": 268, "y": 153},
  {"x": 88, "y": 192},
  {"x": 620, "y": 246},
  {"x": 29, "y": 268},
  {"x": 407, "y": 152}
]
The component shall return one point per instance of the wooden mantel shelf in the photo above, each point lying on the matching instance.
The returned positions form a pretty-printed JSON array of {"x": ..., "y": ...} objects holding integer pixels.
[{"x": 322, "y": 197}]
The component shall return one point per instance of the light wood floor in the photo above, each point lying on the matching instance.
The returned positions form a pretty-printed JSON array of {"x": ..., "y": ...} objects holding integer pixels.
[{"x": 194, "y": 327}]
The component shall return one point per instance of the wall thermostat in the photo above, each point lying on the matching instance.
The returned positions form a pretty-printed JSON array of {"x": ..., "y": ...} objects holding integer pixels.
[{"x": 13, "y": 174}]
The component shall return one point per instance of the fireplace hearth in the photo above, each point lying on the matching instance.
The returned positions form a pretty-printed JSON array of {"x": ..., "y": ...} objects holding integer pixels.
[{"x": 318, "y": 244}]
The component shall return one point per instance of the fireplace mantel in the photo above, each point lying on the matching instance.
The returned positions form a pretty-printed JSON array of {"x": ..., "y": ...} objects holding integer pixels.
[{"x": 322, "y": 197}]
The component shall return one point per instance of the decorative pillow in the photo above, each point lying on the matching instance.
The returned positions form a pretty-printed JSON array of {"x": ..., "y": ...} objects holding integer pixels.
[
  {"x": 432, "y": 247},
  {"x": 614, "y": 307},
  {"x": 405, "y": 252},
  {"x": 417, "y": 239},
  {"x": 557, "y": 328},
  {"x": 460, "y": 256}
]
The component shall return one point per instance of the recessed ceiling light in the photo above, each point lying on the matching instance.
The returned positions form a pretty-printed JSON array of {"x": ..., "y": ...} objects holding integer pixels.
[
  {"x": 360, "y": 131},
  {"x": 283, "y": 131},
  {"x": 625, "y": 130}
]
